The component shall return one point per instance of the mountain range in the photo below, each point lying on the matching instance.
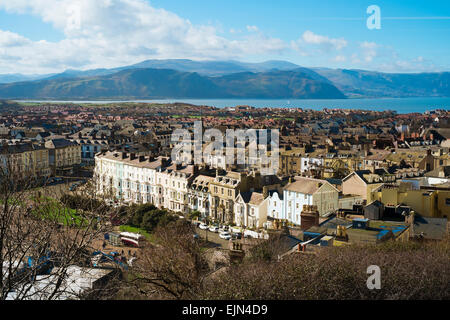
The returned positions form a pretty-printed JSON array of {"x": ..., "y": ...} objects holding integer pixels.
[{"x": 176, "y": 78}]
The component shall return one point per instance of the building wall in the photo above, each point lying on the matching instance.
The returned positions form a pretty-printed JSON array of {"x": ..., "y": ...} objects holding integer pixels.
[
  {"x": 293, "y": 205},
  {"x": 354, "y": 185},
  {"x": 443, "y": 206},
  {"x": 326, "y": 199},
  {"x": 275, "y": 207},
  {"x": 431, "y": 203},
  {"x": 348, "y": 202}
]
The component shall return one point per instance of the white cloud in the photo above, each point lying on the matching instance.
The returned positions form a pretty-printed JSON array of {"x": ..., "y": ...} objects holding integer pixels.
[
  {"x": 324, "y": 41},
  {"x": 340, "y": 58},
  {"x": 108, "y": 33},
  {"x": 10, "y": 40},
  {"x": 111, "y": 33},
  {"x": 369, "y": 50}
]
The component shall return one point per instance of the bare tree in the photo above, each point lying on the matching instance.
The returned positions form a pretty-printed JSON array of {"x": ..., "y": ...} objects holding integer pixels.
[
  {"x": 41, "y": 239},
  {"x": 173, "y": 267}
]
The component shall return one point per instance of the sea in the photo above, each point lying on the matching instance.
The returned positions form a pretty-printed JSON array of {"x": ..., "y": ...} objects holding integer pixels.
[{"x": 400, "y": 105}]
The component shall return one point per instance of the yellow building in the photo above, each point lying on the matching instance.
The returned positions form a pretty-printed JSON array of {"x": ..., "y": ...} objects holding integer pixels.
[
  {"x": 64, "y": 155},
  {"x": 433, "y": 202},
  {"x": 25, "y": 160},
  {"x": 291, "y": 161},
  {"x": 224, "y": 190}
]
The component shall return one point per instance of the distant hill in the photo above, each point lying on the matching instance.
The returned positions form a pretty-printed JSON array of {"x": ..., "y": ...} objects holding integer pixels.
[
  {"x": 166, "y": 83},
  {"x": 360, "y": 83},
  {"x": 209, "y": 68},
  {"x": 225, "y": 79},
  {"x": 215, "y": 68}
]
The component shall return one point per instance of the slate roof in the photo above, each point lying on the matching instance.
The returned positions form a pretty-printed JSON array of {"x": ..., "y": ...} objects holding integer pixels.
[
  {"x": 430, "y": 228},
  {"x": 305, "y": 185}
]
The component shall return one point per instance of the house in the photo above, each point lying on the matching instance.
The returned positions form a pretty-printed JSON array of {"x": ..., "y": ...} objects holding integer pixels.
[
  {"x": 64, "y": 155},
  {"x": 25, "y": 160},
  {"x": 275, "y": 205},
  {"x": 128, "y": 178},
  {"x": 199, "y": 195},
  {"x": 250, "y": 210},
  {"x": 360, "y": 183},
  {"x": 175, "y": 181},
  {"x": 309, "y": 191},
  {"x": 225, "y": 189}
]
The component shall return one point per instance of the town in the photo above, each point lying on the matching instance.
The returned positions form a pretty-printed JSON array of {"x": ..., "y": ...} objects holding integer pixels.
[{"x": 343, "y": 178}]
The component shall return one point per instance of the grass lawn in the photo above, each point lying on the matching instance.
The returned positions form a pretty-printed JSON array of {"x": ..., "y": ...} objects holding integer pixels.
[
  {"x": 51, "y": 209},
  {"x": 127, "y": 228}
]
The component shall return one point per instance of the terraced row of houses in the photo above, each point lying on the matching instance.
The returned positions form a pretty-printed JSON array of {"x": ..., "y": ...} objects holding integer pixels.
[
  {"x": 39, "y": 160},
  {"x": 242, "y": 198}
]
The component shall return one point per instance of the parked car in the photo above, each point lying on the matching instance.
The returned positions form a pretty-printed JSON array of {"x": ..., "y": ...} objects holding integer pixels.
[
  {"x": 203, "y": 226},
  {"x": 214, "y": 229},
  {"x": 225, "y": 235},
  {"x": 196, "y": 236},
  {"x": 224, "y": 229}
]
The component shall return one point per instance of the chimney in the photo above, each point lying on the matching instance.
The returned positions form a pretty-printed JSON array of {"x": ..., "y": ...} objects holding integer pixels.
[
  {"x": 265, "y": 192},
  {"x": 124, "y": 155},
  {"x": 309, "y": 217},
  {"x": 141, "y": 158},
  {"x": 164, "y": 162},
  {"x": 179, "y": 166},
  {"x": 132, "y": 156}
]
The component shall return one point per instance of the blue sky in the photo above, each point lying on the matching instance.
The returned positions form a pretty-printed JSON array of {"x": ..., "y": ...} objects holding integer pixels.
[{"x": 35, "y": 36}]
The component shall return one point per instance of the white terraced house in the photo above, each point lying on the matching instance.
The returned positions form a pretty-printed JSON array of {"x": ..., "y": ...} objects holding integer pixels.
[
  {"x": 128, "y": 178},
  {"x": 174, "y": 181},
  {"x": 199, "y": 195}
]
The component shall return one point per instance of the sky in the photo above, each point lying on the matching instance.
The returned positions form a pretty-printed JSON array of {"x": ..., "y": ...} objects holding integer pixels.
[{"x": 47, "y": 36}]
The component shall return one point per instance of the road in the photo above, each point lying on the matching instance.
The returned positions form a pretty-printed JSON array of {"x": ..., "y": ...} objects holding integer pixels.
[
  {"x": 213, "y": 238},
  {"x": 55, "y": 190}
]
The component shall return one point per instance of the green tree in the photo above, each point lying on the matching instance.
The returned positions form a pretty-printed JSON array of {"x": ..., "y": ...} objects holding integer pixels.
[{"x": 195, "y": 215}]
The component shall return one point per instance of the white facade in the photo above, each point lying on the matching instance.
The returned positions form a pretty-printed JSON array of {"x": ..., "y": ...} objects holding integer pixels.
[
  {"x": 175, "y": 186},
  {"x": 308, "y": 163},
  {"x": 127, "y": 181},
  {"x": 293, "y": 205},
  {"x": 250, "y": 210},
  {"x": 275, "y": 206}
]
